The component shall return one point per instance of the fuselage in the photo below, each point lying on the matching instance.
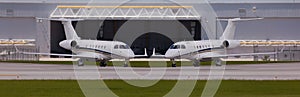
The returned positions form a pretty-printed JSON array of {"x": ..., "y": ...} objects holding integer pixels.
[
  {"x": 99, "y": 49},
  {"x": 194, "y": 49}
]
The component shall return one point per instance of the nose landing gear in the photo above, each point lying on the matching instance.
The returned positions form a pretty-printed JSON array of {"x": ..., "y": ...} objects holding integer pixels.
[{"x": 173, "y": 62}]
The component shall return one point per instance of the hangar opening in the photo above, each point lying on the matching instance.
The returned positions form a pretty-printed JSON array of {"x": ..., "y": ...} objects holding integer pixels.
[
  {"x": 110, "y": 28},
  {"x": 157, "y": 22},
  {"x": 149, "y": 41}
]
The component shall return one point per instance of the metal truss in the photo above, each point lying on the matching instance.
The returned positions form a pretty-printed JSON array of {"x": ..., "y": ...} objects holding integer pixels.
[
  {"x": 270, "y": 42},
  {"x": 126, "y": 12}
]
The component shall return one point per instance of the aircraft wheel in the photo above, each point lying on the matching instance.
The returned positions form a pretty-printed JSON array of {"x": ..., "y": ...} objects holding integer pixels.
[
  {"x": 103, "y": 63},
  {"x": 80, "y": 62},
  {"x": 196, "y": 63},
  {"x": 126, "y": 63},
  {"x": 218, "y": 62},
  {"x": 173, "y": 65}
]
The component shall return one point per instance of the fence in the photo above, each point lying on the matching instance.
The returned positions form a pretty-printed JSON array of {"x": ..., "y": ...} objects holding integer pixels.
[{"x": 9, "y": 53}]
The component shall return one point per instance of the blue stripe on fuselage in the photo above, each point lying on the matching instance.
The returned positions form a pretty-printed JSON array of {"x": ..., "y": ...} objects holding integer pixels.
[
  {"x": 201, "y": 51},
  {"x": 98, "y": 51}
]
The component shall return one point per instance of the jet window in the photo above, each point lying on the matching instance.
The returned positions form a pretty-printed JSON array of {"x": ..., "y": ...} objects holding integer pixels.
[
  {"x": 182, "y": 47},
  {"x": 116, "y": 47}
]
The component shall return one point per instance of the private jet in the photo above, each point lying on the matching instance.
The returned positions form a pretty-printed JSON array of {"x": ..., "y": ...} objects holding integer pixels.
[
  {"x": 5, "y": 53},
  {"x": 204, "y": 50},
  {"x": 102, "y": 51}
]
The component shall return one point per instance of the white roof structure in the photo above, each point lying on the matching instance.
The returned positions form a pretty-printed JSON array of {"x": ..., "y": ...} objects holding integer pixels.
[{"x": 126, "y": 12}]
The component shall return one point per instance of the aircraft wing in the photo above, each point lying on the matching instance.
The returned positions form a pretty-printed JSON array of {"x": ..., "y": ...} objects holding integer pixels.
[
  {"x": 217, "y": 55},
  {"x": 53, "y": 54},
  {"x": 81, "y": 55},
  {"x": 234, "y": 55}
]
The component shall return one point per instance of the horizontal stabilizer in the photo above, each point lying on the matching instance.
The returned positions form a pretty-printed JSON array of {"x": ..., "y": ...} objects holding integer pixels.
[{"x": 239, "y": 19}]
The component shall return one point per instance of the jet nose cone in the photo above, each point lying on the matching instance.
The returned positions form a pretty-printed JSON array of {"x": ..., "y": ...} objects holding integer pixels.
[
  {"x": 168, "y": 54},
  {"x": 130, "y": 54}
]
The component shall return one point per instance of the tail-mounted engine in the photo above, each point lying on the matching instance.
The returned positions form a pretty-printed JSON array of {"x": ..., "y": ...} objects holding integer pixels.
[
  {"x": 231, "y": 43},
  {"x": 68, "y": 44}
]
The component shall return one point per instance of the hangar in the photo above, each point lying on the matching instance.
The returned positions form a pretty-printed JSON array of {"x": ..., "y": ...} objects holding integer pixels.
[
  {"x": 280, "y": 23},
  {"x": 152, "y": 24}
]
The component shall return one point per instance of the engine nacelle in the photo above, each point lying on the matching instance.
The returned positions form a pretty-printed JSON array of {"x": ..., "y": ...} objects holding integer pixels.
[
  {"x": 231, "y": 43},
  {"x": 68, "y": 44}
]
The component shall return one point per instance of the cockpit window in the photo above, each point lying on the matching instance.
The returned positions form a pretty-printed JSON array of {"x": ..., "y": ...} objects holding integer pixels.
[
  {"x": 178, "y": 47},
  {"x": 121, "y": 47},
  {"x": 124, "y": 47},
  {"x": 175, "y": 47}
]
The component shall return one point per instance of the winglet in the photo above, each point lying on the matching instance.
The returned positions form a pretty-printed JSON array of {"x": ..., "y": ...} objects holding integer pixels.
[
  {"x": 153, "y": 53},
  {"x": 145, "y": 54},
  {"x": 156, "y": 56}
]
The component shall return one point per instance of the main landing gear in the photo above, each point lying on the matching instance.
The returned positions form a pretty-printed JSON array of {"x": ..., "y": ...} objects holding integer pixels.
[
  {"x": 80, "y": 62},
  {"x": 196, "y": 63},
  {"x": 103, "y": 63},
  {"x": 126, "y": 63},
  {"x": 218, "y": 62}
]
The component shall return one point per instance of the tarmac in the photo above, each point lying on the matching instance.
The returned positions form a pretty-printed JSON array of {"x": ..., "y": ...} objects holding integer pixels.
[{"x": 25, "y": 71}]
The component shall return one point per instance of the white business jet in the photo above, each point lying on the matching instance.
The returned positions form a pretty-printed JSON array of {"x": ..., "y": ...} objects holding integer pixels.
[
  {"x": 102, "y": 51},
  {"x": 207, "y": 49},
  {"x": 5, "y": 53}
]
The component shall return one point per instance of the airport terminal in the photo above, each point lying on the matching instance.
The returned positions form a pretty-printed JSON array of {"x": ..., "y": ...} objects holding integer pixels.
[{"x": 37, "y": 33}]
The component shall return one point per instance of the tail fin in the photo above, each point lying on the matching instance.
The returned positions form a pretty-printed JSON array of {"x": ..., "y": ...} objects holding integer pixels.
[
  {"x": 231, "y": 27},
  {"x": 69, "y": 30}
]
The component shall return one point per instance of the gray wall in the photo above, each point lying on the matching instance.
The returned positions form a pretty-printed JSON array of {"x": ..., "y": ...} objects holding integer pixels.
[
  {"x": 18, "y": 19},
  {"x": 18, "y": 28},
  {"x": 269, "y": 28}
]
